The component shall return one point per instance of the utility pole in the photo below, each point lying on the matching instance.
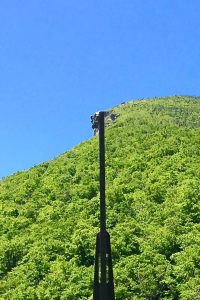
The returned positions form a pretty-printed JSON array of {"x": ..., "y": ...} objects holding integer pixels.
[{"x": 103, "y": 272}]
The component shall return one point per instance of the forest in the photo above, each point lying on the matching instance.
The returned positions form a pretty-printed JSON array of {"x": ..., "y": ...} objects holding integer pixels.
[{"x": 49, "y": 215}]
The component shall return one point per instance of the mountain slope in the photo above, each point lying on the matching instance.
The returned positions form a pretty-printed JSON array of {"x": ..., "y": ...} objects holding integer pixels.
[{"x": 49, "y": 215}]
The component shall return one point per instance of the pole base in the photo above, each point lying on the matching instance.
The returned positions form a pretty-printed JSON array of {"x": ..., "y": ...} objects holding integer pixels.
[{"x": 103, "y": 283}]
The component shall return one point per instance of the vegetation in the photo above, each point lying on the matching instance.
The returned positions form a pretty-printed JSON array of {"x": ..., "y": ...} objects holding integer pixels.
[{"x": 49, "y": 215}]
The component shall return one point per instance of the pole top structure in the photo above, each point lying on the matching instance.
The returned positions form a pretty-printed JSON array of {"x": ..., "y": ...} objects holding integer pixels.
[{"x": 95, "y": 119}]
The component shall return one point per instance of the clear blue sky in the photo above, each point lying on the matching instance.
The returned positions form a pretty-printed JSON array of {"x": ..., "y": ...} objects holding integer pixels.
[{"x": 62, "y": 60}]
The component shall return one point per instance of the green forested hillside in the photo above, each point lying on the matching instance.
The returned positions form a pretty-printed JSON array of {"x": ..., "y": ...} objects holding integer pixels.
[{"x": 49, "y": 214}]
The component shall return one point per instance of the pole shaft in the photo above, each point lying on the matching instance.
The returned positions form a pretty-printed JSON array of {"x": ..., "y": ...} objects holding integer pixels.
[
  {"x": 102, "y": 206},
  {"x": 102, "y": 172}
]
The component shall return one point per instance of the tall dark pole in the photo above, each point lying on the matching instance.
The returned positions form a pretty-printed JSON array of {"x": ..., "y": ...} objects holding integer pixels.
[
  {"x": 103, "y": 273},
  {"x": 102, "y": 172}
]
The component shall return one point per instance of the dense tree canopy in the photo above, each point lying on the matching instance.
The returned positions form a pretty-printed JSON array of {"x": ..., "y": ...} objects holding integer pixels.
[{"x": 49, "y": 215}]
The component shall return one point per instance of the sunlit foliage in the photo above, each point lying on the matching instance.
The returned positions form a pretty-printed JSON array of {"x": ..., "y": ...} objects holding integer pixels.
[{"x": 49, "y": 215}]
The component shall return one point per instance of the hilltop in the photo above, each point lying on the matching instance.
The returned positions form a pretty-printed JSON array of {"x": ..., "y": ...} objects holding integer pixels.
[{"x": 49, "y": 215}]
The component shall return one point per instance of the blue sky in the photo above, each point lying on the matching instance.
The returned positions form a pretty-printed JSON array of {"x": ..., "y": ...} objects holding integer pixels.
[{"x": 61, "y": 60}]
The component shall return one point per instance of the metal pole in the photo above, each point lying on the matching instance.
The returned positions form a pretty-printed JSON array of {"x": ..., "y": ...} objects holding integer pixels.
[
  {"x": 103, "y": 274},
  {"x": 102, "y": 206},
  {"x": 102, "y": 172}
]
